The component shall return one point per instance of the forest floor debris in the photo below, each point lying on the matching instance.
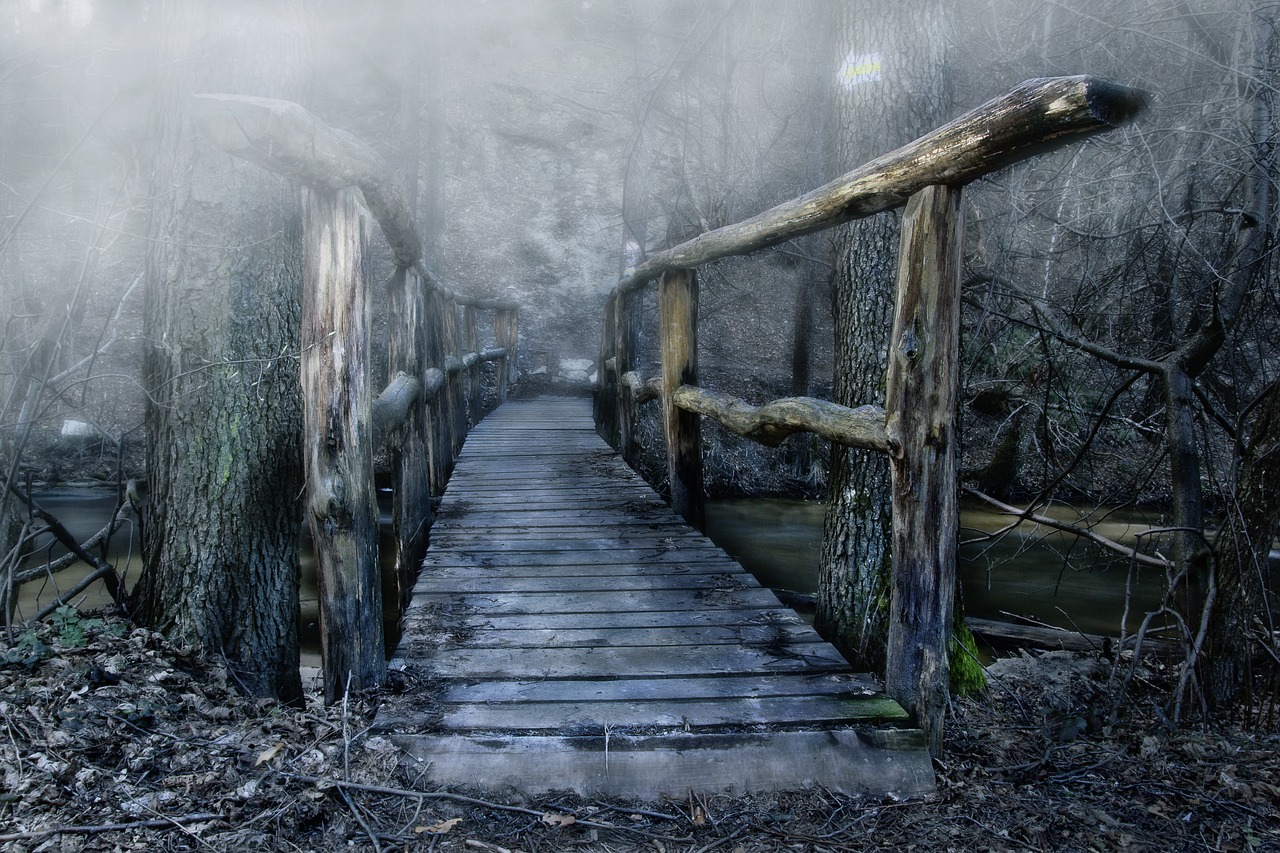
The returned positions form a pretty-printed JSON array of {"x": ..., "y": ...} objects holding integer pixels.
[{"x": 113, "y": 740}]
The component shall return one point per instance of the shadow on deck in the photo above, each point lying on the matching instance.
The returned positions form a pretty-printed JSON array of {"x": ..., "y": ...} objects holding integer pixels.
[{"x": 572, "y": 633}]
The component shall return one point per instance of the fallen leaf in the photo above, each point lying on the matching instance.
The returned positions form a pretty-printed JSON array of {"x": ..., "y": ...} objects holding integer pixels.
[
  {"x": 269, "y": 753},
  {"x": 438, "y": 828},
  {"x": 558, "y": 819}
]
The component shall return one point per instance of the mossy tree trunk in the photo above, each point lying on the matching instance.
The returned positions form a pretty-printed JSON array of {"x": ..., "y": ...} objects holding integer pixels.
[{"x": 222, "y": 321}]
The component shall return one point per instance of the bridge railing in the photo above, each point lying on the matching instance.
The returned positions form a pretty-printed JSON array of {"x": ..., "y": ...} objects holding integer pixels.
[
  {"x": 434, "y": 356},
  {"x": 915, "y": 425}
]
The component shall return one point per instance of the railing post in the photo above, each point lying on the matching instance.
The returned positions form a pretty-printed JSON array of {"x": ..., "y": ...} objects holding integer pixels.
[
  {"x": 606, "y": 403},
  {"x": 438, "y": 439},
  {"x": 626, "y": 336},
  {"x": 337, "y": 424},
  {"x": 475, "y": 405},
  {"x": 407, "y": 345},
  {"x": 678, "y": 322},
  {"x": 457, "y": 413},
  {"x": 924, "y": 376},
  {"x": 507, "y": 330}
]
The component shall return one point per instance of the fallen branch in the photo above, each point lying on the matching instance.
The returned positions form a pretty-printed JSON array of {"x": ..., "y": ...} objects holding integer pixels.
[
  {"x": 165, "y": 823},
  {"x": 1067, "y": 527}
]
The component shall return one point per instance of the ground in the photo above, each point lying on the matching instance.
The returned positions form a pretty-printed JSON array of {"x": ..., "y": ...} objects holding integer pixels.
[{"x": 113, "y": 740}]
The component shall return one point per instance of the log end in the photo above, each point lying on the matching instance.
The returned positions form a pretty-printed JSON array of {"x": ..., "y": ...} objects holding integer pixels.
[{"x": 1113, "y": 104}]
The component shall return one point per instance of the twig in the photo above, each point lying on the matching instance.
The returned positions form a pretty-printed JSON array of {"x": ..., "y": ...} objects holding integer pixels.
[
  {"x": 360, "y": 819},
  {"x": 166, "y": 823},
  {"x": 460, "y": 798}
]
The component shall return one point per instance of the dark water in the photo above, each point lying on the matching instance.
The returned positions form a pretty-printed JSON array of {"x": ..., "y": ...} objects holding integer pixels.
[
  {"x": 1051, "y": 577},
  {"x": 1048, "y": 576}
]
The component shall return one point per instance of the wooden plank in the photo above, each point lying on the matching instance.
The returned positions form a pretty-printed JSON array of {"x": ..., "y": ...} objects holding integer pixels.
[
  {"x": 634, "y": 601},
  {"x": 852, "y": 761},
  {"x": 496, "y": 636},
  {"x": 678, "y": 688},
  {"x": 680, "y": 714},
  {"x": 453, "y": 584},
  {"x": 432, "y": 616},
  {"x": 631, "y": 661},
  {"x": 615, "y": 556}
]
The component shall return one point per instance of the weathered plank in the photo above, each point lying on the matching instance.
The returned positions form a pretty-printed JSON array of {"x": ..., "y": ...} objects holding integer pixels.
[
  {"x": 874, "y": 761},
  {"x": 560, "y": 598}
]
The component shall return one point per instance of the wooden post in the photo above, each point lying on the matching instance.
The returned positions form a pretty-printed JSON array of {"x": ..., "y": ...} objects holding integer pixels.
[
  {"x": 407, "y": 334},
  {"x": 923, "y": 381},
  {"x": 513, "y": 346},
  {"x": 341, "y": 505},
  {"x": 475, "y": 404},
  {"x": 678, "y": 321},
  {"x": 438, "y": 439},
  {"x": 626, "y": 337},
  {"x": 606, "y": 406},
  {"x": 457, "y": 403}
]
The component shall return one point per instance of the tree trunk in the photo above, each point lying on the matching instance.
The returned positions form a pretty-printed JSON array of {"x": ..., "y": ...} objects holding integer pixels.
[
  {"x": 223, "y": 412},
  {"x": 893, "y": 59}
]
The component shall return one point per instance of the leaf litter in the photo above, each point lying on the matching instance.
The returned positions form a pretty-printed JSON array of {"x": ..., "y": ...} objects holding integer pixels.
[{"x": 114, "y": 740}]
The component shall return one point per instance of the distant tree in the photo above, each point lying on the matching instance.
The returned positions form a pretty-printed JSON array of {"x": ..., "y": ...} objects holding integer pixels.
[{"x": 222, "y": 324}]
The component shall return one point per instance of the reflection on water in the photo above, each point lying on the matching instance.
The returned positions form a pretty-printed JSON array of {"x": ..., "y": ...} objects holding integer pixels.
[{"x": 1052, "y": 577}]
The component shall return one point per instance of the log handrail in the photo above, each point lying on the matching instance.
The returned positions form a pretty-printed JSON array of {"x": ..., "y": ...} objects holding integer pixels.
[
  {"x": 773, "y": 422},
  {"x": 1035, "y": 117}
]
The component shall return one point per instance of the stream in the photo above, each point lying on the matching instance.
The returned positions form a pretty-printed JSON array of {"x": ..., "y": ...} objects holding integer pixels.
[{"x": 1051, "y": 577}]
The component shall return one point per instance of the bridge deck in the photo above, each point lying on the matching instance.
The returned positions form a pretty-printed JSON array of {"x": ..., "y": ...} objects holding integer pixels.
[{"x": 569, "y": 631}]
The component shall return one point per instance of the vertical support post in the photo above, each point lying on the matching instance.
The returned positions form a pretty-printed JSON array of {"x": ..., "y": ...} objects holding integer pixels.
[
  {"x": 505, "y": 330},
  {"x": 678, "y": 321},
  {"x": 337, "y": 400},
  {"x": 923, "y": 380},
  {"x": 627, "y": 334},
  {"x": 605, "y": 403},
  {"x": 475, "y": 405},
  {"x": 438, "y": 438},
  {"x": 407, "y": 350},
  {"x": 457, "y": 402},
  {"x": 513, "y": 346}
]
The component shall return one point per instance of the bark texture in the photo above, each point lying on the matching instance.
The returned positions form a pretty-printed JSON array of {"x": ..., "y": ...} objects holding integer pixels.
[
  {"x": 906, "y": 97},
  {"x": 222, "y": 318}
]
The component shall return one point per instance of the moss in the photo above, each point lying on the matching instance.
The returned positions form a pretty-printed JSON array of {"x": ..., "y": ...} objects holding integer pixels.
[{"x": 967, "y": 674}]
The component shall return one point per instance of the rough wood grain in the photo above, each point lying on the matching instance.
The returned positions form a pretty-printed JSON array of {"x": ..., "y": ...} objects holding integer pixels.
[
  {"x": 560, "y": 596},
  {"x": 923, "y": 386},
  {"x": 773, "y": 422},
  {"x": 678, "y": 333},
  {"x": 1037, "y": 116},
  {"x": 337, "y": 401}
]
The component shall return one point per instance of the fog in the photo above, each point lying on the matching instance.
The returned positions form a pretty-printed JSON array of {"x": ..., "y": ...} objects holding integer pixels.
[{"x": 547, "y": 145}]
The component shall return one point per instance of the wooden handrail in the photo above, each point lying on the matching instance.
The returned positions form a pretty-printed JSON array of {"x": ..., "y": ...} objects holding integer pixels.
[
  {"x": 916, "y": 427},
  {"x": 773, "y": 422},
  {"x": 1037, "y": 116}
]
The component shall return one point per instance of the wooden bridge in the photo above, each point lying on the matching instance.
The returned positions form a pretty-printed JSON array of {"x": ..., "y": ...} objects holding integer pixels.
[
  {"x": 574, "y": 633},
  {"x": 567, "y": 629}
]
